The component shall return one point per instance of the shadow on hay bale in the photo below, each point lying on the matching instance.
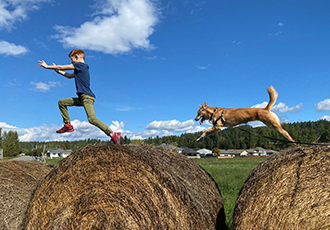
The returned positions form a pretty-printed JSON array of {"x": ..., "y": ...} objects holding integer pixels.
[
  {"x": 127, "y": 187},
  {"x": 290, "y": 190},
  {"x": 18, "y": 180}
]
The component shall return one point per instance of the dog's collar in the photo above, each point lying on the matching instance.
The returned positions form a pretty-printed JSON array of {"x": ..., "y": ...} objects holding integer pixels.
[
  {"x": 219, "y": 118},
  {"x": 213, "y": 113}
]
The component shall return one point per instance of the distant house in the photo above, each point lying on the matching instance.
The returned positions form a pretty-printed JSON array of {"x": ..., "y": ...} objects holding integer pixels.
[
  {"x": 58, "y": 152},
  {"x": 189, "y": 151},
  {"x": 225, "y": 153},
  {"x": 258, "y": 151},
  {"x": 55, "y": 152},
  {"x": 164, "y": 145},
  {"x": 238, "y": 152},
  {"x": 66, "y": 153},
  {"x": 206, "y": 153}
]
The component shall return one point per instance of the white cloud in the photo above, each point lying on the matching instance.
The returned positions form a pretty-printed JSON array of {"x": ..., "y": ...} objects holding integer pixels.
[
  {"x": 203, "y": 67},
  {"x": 278, "y": 33},
  {"x": 260, "y": 106},
  {"x": 280, "y": 24},
  {"x": 325, "y": 117},
  {"x": 175, "y": 126},
  {"x": 124, "y": 109},
  {"x": 12, "y": 11},
  {"x": 84, "y": 130},
  {"x": 123, "y": 25},
  {"x": 44, "y": 87},
  {"x": 255, "y": 124},
  {"x": 6, "y": 126},
  {"x": 146, "y": 134},
  {"x": 323, "y": 105},
  {"x": 10, "y": 49},
  {"x": 236, "y": 42},
  {"x": 281, "y": 107},
  {"x": 117, "y": 126}
]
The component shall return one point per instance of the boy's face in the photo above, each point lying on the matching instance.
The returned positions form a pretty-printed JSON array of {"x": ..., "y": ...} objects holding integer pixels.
[{"x": 74, "y": 58}]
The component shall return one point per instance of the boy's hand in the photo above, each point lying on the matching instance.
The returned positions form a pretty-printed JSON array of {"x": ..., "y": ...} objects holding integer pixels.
[{"x": 42, "y": 64}]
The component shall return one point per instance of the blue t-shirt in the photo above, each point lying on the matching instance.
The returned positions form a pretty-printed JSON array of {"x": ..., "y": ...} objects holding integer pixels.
[{"x": 82, "y": 79}]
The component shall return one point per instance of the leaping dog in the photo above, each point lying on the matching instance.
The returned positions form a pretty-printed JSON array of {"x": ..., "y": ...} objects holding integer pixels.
[{"x": 221, "y": 117}]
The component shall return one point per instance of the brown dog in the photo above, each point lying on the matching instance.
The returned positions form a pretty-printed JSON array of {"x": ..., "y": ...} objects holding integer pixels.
[{"x": 220, "y": 117}]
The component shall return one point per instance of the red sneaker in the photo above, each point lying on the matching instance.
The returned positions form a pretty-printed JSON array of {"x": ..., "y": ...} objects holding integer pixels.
[
  {"x": 115, "y": 138},
  {"x": 66, "y": 128}
]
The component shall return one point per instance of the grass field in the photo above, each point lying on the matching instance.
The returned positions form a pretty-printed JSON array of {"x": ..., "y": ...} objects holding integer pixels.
[
  {"x": 53, "y": 162},
  {"x": 229, "y": 174}
]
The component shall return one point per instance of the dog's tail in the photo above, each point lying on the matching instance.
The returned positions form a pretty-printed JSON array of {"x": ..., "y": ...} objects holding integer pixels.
[{"x": 272, "y": 97}]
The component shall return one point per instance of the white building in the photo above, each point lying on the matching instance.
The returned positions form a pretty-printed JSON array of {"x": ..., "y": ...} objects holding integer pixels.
[
  {"x": 58, "y": 152},
  {"x": 206, "y": 153}
]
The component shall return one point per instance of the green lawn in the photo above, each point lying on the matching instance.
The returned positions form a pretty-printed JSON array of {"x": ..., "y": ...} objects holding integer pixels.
[
  {"x": 8, "y": 158},
  {"x": 229, "y": 174},
  {"x": 53, "y": 162}
]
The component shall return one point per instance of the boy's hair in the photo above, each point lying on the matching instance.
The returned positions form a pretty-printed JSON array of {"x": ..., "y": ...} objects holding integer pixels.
[{"x": 77, "y": 51}]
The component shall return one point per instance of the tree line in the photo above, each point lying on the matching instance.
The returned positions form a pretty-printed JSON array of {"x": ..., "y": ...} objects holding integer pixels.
[
  {"x": 246, "y": 137},
  {"x": 242, "y": 137}
]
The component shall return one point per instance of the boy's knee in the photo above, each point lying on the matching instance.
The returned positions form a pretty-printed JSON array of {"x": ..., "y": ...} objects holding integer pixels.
[
  {"x": 61, "y": 102},
  {"x": 92, "y": 120}
]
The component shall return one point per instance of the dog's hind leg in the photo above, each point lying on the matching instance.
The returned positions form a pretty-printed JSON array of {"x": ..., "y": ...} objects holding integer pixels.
[
  {"x": 275, "y": 124},
  {"x": 284, "y": 133}
]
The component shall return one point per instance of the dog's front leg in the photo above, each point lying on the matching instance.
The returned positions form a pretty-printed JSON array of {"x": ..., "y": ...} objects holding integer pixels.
[{"x": 209, "y": 131}]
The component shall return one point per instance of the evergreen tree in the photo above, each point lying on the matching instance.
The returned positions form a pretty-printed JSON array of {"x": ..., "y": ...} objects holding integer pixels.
[{"x": 10, "y": 144}]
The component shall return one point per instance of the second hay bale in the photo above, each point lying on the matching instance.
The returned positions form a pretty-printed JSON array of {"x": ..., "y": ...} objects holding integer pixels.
[
  {"x": 18, "y": 180},
  {"x": 290, "y": 190},
  {"x": 127, "y": 187}
]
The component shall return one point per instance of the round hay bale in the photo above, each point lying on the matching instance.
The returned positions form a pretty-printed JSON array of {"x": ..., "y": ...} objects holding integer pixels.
[
  {"x": 290, "y": 190},
  {"x": 18, "y": 180},
  {"x": 127, "y": 187}
]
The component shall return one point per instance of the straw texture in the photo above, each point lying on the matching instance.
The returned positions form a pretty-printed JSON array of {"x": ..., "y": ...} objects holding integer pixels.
[
  {"x": 290, "y": 190},
  {"x": 18, "y": 180},
  {"x": 126, "y": 187}
]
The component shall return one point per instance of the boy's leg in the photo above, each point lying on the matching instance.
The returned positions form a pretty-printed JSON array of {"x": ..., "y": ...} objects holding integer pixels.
[
  {"x": 88, "y": 103},
  {"x": 64, "y": 103}
]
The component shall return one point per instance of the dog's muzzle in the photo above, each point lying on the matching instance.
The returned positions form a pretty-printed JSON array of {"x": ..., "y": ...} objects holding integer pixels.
[{"x": 201, "y": 121}]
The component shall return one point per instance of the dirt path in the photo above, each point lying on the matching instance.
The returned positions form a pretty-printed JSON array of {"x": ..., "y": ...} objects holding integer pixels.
[{"x": 22, "y": 158}]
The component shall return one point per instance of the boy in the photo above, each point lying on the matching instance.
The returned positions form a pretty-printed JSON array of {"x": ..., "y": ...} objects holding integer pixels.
[{"x": 85, "y": 98}]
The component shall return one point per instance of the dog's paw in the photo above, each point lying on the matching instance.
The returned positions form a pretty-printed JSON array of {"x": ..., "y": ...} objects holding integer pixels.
[{"x": 198, "y": 139}]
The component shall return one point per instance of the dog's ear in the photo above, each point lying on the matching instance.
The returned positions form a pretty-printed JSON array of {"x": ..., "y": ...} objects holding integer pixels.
[
  {"x": 204, "y": 104},
  {"x": 200, "y": 106}
]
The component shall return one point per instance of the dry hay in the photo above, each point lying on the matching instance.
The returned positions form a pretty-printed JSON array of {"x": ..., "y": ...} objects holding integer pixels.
[
  {"x": 290, "y": 190},
  {"x": 18, "y": 180},
  {"x": 127, "y": 187}
]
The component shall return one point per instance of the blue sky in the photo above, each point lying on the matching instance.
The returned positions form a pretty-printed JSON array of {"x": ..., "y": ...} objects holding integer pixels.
[{"x": 153, "y": 61}]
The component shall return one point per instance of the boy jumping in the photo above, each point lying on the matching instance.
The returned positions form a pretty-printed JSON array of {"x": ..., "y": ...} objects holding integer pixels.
[{"x": 85, "y": 98}]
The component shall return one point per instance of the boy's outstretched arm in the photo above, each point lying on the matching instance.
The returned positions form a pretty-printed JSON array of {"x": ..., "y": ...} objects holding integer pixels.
[
  {"x": 58, "y": 68},
  {"x": 55, "y": 67}
]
